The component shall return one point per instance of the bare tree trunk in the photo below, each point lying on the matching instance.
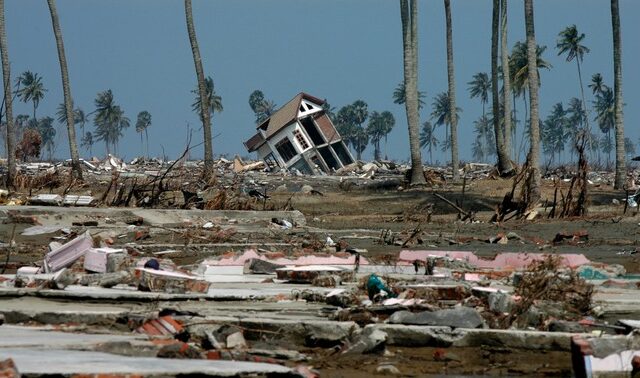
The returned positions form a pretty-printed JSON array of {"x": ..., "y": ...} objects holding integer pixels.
[
  {"x": 205, "y": 116},
  {"x": 504, "y": 165},
  {"x": 453, "y": 117},
  {"x": 409, "y": 17},
  {"x": 504, "y": 50},
  {"x": 533, "y": 159},
  {"x": 76, "y": 170},
  {"x": 621, "y": 169},
  {"x": 6, "y": 76}
]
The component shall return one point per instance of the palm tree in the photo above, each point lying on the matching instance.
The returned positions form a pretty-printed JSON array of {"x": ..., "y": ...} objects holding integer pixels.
[
  {"x": 205, "y": 115},
  {"x": 519, "y": 72},
  {"x": 409, "y": 21},
  {"x": 575, "y": 121},
  {"x": 480, "y": 86},
  {"x": 441, "y": 114},
  {"x": 6, "y": 77},
  {"x": 597, "y": 84},
  {"x": 504, "y": 163},
  {"x": 629, "y": 147},
  {"x": 350, "y": 119},
  {"x": 30, "y": 88},
  {"x": 399, "y": 93},
  {"x": 76, "y": 170},
  {"x": 506, "y": 79},
  {"x": 142, "y": 124},
  {"x": 484, "y": 138},
  {"x": 87, "y": 141},
  {"x": 453, "y": 117},
  {"x": 605, "y": 114},
  {"x": 569, "y": 43},
  {"x": 380, "y": 125},
  {"x": 109, "y": 120},
  {"x": 533, "y": 158},
  {"x": 617, "y": 88},
  {"x": 554, "y": 131},
  {"x": 329, "y": 110},
  {"x": 428, "y": 139},
  {"x": 48, "y": 134},
  {"x": 214, "y": 101}
]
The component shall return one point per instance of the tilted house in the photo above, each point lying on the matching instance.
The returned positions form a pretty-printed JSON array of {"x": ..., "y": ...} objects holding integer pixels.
[{"x": 300, "y": 135}]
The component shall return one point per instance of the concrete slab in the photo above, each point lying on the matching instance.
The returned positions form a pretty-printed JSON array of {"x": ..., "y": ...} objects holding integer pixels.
[
  {"x": 35, "y": 361},
  {"x": 39, "y": 337}
]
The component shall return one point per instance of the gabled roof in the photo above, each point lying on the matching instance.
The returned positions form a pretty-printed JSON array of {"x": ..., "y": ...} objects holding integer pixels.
[{"x": 286, "y": 114}]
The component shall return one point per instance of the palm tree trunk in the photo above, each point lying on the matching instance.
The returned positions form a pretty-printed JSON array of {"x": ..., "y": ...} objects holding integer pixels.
[
  {"x": 533, "y": 181},
  {"x": 621, "y": 169},
  {"x": 76, "y": 170},
  {"x": 506, "y": 80},
  {"x": 504, "y": 165},
  {"x": 6, "y": 76},
  {"x": 146, "y": 135},
  {"x": 409, "y": 18},
  {"x": 205, "y": 116},
  {"x": 453, "y": 117}
]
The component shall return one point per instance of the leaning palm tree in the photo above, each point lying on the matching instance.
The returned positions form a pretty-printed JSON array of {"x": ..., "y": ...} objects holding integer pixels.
[
  {"x": 409, "y": 21},
  {"x": 504, "y": 163},
  {"x": 142, "y": 124},
  {"x": 214, "y": 101},
  {"x": 76, "y": 170},
  {"x": 533, "y": 158},
  {"x": 205, "y": 116},
  {"x": 30, "y": 88},
  {"x": 617, "y": 88},
  {"x": 506, "y": 78},
  {"x": 7, "y": 101},
  {"x": 453, "y": 117}
]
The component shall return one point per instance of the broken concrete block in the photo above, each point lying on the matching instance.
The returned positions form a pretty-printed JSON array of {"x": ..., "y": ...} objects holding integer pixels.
[
  {"x": 169, "y": 282},
  {"x": 236, "y": 341},
  {"x": 258, "y": 266},
  {"x": 306, "y": 274},
  {"x": 459, "y": 317},
  {"x": 106, "y": 279},
  {"x": 388, "y": 369},
  {"x": 371, "y": 340},
  {"x": 105, "y": 260},
  {"x": 500, "y": 302},
  {"x": 68, "y": 253},
  {"x": 326, "y": 281}
]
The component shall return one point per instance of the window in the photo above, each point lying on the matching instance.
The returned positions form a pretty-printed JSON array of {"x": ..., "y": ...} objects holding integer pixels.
[
  {"x": 301, "y": 140},
  {"x": 270, "y": 161},
  {"x": 286, "y": 149},
  {"x": 312, "y": 131}
]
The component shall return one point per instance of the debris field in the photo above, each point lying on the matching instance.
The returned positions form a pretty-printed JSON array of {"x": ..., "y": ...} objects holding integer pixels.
[{"x": 143, "y": 269}]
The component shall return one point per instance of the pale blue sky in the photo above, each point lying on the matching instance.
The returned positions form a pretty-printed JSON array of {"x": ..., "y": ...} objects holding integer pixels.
[{"x": 341, "y": 50}]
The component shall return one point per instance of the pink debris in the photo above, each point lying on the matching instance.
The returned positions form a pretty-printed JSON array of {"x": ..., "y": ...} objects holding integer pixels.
[
  {"x": 509, "y": 260},
  {"x": 303, "y": 260}
]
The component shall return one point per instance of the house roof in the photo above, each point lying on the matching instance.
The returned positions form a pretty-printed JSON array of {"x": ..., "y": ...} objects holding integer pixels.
[
  {"x": 254, "y": 142},
  {"x": 286, "y": 114}
]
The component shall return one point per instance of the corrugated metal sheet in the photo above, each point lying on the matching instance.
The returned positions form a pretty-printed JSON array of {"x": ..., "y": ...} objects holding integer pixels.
[{"x": 73, "y": 200}]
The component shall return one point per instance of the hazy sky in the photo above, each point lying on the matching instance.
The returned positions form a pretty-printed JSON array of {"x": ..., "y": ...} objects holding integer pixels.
[{"x": 341, "y": 50}]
